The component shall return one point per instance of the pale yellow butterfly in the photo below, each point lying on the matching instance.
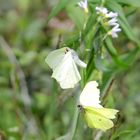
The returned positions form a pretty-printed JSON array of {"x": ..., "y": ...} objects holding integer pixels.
[{"x": 95, "y": 114}]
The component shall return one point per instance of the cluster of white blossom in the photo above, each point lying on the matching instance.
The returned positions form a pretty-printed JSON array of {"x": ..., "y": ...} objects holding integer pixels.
[{"x": 111, "y": 18}]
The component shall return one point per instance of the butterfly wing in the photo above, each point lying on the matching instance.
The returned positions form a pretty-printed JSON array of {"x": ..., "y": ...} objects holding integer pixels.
[
  {"x": 90, "y": 95},
  {"x": 67, "y": 73},
  {"x": 55, "y": 57},
  {"x": 77, "y": 60},
  {"x": 95, "y": 120},
  {"x": 72, "y": 78},
  {"x": 105, "y": 112}
]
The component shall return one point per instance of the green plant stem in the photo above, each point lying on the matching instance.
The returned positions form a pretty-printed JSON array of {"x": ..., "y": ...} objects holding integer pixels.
[
  {"x": 70, "y": 135},
  {"x": 90, "y": 63},
  {"x": 74, "y": 124},
  {"x": 106, "y": 94},
  {"x": 71, "y": 132}
]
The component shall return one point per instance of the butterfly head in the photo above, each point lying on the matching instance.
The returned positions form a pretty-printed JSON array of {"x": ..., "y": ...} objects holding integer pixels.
[
  {"x": 80, "y": 107},
  {"x": 67, "y": 50}
]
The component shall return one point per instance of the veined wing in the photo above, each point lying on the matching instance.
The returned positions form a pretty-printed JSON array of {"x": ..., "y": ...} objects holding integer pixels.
[
  {"x": 67, "y": 73},
  {"x": 105, "y": 112},
  {"x": 55, "y": 57},
  {"x": 90, "y": 95},
  {"x": 95, "y": 120}
]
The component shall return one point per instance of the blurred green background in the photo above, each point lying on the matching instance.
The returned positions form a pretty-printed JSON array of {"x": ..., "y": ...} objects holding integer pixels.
[{"x": 32, "y": 105}]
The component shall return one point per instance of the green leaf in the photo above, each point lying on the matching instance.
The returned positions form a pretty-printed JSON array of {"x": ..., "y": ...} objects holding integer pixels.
[
  {"x": 100, "y": 64},
  {"x": 72, "y": 41},
  {"x": 135, "y": 3},
  {"x": 130, "y": 57},
  {"x": 76, "y": 15},
  {"x": 106, "y": 80},
  {"x": 28, "y": 58},
  {"x": 59, "y": 7},
  {"x": 90, "y": 24},
  {"x": 124, "y": 133},
  {"x": 109, "y": 46}
]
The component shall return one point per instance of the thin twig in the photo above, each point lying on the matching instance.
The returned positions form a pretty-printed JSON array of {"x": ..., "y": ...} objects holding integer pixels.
[
  {"x": 59, "y": 41},
  {"x": 31, "y": 123},
  {"x": 98, "y": 135},
  {"x": 107, "y": 91},
  {"x": 24, "y": 90}
]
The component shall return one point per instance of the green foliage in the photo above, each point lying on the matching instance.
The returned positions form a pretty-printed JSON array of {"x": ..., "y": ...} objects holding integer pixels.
[{"x": 33, "y": 107}]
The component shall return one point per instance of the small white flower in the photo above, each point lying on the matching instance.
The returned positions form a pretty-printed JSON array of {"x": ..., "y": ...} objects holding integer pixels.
[
  {"x": 114, "y": 31},
  {"x": 84, "y": 5},
  {"x": 113, "y": 22},
  {"x": 112, "y": 15},
  {"x": 104, "y": 11},
  {"x": 111, "y": 19},
  {"x": 101, "y": 10}
]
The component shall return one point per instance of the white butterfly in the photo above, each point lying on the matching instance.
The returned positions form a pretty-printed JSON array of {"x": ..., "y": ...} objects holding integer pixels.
[
  {"x": 63, "y": 63},
  {"x": 95, "y": 114}
]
